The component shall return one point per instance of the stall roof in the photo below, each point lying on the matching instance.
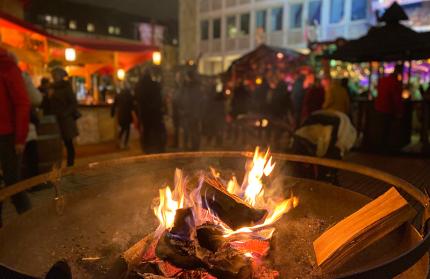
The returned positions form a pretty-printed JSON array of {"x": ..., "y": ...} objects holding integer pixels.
[
  {"x": 88, "y": 43},
  {"x": 390, "y": 42}
]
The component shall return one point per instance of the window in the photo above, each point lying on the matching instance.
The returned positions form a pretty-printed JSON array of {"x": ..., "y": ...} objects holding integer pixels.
[
  {"x": 231, "y": 27},
  {"x": 244, "y": 24},
  {"x": 260, "y": 20},
  {"x": 73, "y": 25},
  {"x": 111, "y": 30},
  {"x": 296, "y": 15},
  {"x": 204, "y": 30},
  {"x": 90, "y": 27},
  {"x": 314, "y": 12},
  {"x": 276, "y": 19},
  {"x": 358, "y": 9},
  {"x": 216, "y": 31},
  {"x": 117, "y": 31},
  {"x": 337, "y": 10}
]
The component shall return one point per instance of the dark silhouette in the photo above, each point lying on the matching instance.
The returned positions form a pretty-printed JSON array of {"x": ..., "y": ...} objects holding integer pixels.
[
  {"x": 150, "y": 106},
  {"x": 65, "y": 108},
  {"x": 123, "y": 107},
  {"x": 192, "y": 109}
]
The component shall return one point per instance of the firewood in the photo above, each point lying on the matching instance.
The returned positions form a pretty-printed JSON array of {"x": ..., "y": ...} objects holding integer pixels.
[
  {"x": 228, "y": 207},
  {"x": 184, "y": 225},
  {"x": 210, "y": 236},
  {"x": 361, "y": 229}
]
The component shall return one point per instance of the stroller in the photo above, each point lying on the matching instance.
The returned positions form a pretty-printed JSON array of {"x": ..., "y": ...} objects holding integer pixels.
[{"x": 324, "y": 134}]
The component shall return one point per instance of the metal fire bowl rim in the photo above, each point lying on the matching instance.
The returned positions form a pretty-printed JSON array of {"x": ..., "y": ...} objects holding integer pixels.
[{"x": 390, "y": 179}]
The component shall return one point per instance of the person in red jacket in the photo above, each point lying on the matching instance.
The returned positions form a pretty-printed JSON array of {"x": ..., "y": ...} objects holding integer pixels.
[
  {"x": 389, "y": 103},
  {"x": 14, "y": 120}
]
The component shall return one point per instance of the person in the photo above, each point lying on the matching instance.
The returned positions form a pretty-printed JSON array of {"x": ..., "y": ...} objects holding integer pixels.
[
  {"x": 123, "y": 108},
  {"x": 65, "y": 107},
  {"x": 192, "y": 110},
  {"x": 150, "y": 107},
  {"x": 14, "y": 121},
  {"x": 213, "y": 124},
  {"x": 388, "y": 103},
  {"x": 313, "y": 100},
  {"x": 44, "y": 90},
  {"x": 30, "y": 155},
  {"x": 336, "y": 97},
  {"x": 297, "y": 97}
]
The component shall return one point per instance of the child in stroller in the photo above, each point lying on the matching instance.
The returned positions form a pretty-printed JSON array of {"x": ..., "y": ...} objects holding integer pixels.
[{"x": 325, "y": 134}]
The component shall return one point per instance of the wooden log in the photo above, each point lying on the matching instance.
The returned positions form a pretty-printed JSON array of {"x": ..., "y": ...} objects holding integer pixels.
[
  {"x": 231, "y": 209},
  {"x": 361, "y": 229}
]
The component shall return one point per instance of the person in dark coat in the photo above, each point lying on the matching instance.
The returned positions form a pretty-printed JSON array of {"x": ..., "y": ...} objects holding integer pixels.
[
  {"x": 44, "y": 89},
  {"x": 150, "y": 107},
  {"x": 313, "y": 100},
  {"x": 123, "y": 108},
  {"x": 65, "y": 107}
]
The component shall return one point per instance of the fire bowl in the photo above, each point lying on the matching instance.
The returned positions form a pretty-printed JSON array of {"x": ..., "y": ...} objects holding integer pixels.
[{"x": 102, "y": 209}]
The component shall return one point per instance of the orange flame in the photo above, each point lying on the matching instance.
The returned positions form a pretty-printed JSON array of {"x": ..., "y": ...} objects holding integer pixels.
[{"x": 261, "y": 166}]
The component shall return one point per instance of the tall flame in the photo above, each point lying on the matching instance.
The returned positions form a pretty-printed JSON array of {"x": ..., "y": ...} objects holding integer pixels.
[
  {"x": 253, "y": 185},
  {"x": 166, "y": 210}
]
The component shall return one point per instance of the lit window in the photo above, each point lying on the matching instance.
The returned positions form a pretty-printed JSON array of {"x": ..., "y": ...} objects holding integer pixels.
[
  {"x": 216, "y": 28},
  {"x": 231, "y": 27},
  {"x": 244, "y": 24},
  {"x": 117, "y": 30},
  {"x": 314, "y": 12},
  {"x": 260, "y": 21},
  {"x": 111, "y": 29},
  {"x": 204, "y": 30},
  {"x": 296, "y": 15},
  {"x": 337, "y": 10},
  {"x": 276, "y": 19},
  {"x": 90, "y": 27},
  {"x": 48, "y": 18},
  {"x": 358, "y": 9},
  {"x": 73, "y": 25},
  {"x": 55, "y": 20}
]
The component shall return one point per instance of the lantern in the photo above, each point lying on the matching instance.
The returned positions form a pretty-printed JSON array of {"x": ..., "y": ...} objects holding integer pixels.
[{"x": 70, "y": 54}]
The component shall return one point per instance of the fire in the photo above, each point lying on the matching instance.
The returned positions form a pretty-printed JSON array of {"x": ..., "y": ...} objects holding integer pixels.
[
  {"x": 166, "y": 210},
  {"x": 251, "y": 192},
  {"x": 253, "y": 185}
]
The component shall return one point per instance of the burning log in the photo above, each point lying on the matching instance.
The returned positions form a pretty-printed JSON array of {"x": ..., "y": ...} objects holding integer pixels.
[
  {"x": 210, "y": 237},
  {"x": 361, "y": 229},
  {"x": 184, "y": 225},
  {"x": 228, "y": 207}
]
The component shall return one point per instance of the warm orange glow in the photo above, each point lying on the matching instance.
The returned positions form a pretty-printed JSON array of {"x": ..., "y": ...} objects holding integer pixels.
[
  {"x": 166, "y": 210},
  {"x": 120, "y": 74},
  {"x": 261, "y": 166},
  {"x": 156, "y": 57},
  {"x": 280, "y": 55},
  {"x": 258, "y": 81},
  {"x": 70, "y": 54}
]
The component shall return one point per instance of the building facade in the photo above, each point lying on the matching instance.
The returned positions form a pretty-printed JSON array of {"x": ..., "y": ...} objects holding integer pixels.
[
  {"x": 225, "y": 29},
  {"x": 83, "y": 20}
]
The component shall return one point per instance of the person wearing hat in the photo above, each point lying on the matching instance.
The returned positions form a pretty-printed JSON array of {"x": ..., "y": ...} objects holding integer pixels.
[{"x": 65, "y": 107}]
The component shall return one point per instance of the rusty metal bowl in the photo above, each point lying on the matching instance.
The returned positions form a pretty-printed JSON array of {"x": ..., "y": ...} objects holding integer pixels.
[{"x": 98, "y": 211}]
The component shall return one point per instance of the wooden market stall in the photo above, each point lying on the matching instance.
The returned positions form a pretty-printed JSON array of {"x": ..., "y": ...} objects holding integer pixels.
[{"x": 88, "y": 62}]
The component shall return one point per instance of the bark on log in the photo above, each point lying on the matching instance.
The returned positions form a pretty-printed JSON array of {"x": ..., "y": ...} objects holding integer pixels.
[{"x": 228, "y": 207}]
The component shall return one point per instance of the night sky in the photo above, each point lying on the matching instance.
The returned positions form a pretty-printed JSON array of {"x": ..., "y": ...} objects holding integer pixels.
[{"x": 163, "y": 9}]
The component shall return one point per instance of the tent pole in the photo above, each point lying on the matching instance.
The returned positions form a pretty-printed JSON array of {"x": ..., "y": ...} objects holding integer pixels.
[
  {"x": 409, "y": 72},
  {"x": 369, "y": 94}
]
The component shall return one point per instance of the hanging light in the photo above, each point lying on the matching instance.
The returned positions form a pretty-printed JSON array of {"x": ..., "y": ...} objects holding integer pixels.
[
  {"x": 70, "y": 54},
  {"x": 280, "y": 55},
  {"x": 156, "y": 58},
  {"x": 258, "y": 80},
  {"x": 120, "y": 74}
]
